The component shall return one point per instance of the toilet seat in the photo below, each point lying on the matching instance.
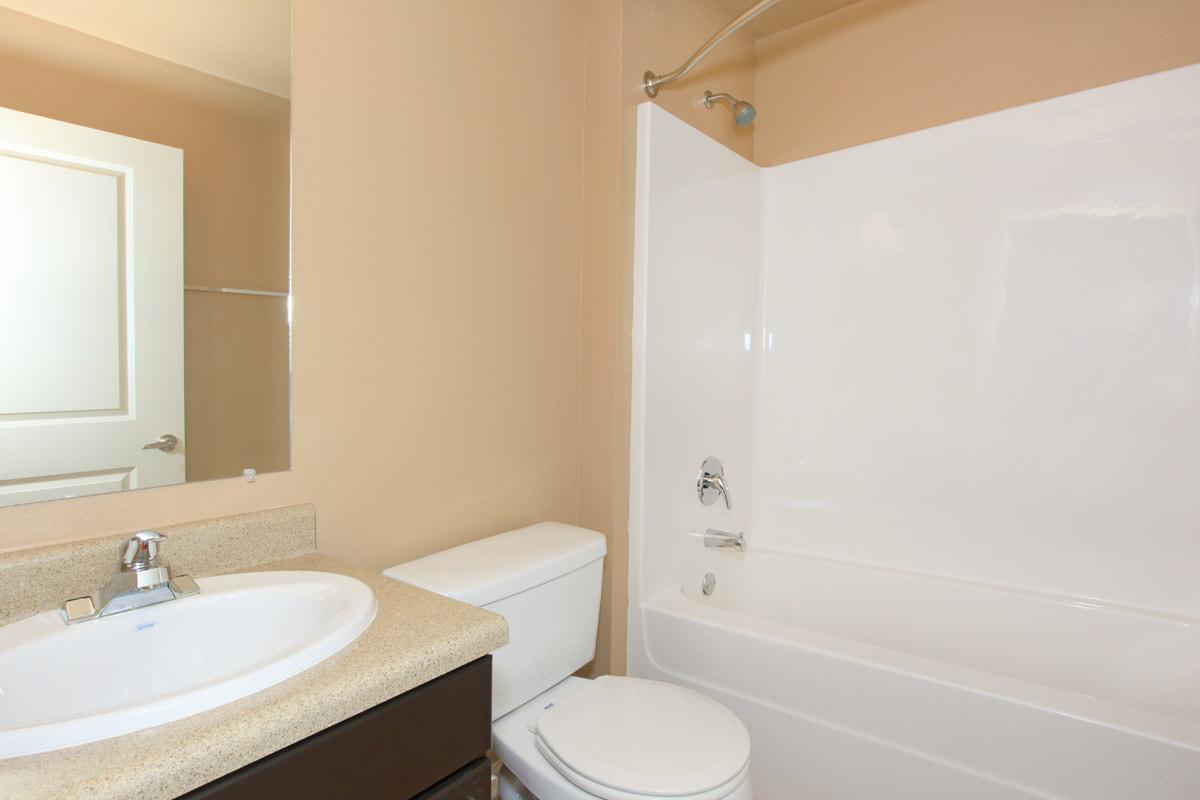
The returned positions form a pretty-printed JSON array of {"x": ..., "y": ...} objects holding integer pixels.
[
  {"x": 610, "y": 793},
  {"x": 629, "y": 739}
]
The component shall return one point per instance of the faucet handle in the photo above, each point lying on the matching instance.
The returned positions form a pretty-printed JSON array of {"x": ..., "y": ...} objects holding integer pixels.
[
  {"x": 141, "y": 551},
  {"x": 710, "y": 483}
]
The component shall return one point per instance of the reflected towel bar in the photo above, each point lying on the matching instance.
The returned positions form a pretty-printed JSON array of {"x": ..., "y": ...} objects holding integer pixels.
[{"x": 226, "y": 290}]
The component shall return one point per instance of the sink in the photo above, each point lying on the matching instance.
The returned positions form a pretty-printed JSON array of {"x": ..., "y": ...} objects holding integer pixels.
[{"x": 64, "y": 685}]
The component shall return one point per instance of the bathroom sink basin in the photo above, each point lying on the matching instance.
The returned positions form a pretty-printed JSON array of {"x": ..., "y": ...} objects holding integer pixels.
[{"x": 64, "y": 685}]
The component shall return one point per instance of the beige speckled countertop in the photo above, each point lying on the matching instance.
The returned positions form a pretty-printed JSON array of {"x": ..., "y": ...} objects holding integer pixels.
[{"x": 416, "y": 636}]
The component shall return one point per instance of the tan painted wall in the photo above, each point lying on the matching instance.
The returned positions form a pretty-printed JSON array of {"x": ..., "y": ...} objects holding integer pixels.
[
  {"x": 880, "y": 68},
  {"x": 235, "y": 143},
  {"x": 437, "y": 286},
  {"x": 438, "y": 177},
  {"x": 603, "y": 474}
]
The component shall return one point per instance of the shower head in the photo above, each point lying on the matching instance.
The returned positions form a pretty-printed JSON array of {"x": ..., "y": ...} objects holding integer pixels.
[{"x": 743, "y": 112}]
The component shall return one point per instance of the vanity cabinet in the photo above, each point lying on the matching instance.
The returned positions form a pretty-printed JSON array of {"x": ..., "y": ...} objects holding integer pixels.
[{"x": 427, "y": 744}]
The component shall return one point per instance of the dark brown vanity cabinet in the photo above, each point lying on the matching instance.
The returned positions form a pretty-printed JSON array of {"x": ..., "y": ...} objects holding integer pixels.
[{"x": 428, "y": 744}]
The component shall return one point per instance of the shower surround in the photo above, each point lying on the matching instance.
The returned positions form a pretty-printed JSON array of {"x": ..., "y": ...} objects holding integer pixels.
[{"x": 954, "y": 378}]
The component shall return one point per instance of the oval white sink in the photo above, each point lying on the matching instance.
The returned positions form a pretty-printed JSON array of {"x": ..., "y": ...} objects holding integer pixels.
[{"x": 64, "y": 685}]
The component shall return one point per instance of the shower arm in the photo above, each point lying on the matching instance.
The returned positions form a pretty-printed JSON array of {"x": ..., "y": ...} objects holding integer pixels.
[
  {"x": 651, "y": 82},
  {"x": 723, "y": 97}
]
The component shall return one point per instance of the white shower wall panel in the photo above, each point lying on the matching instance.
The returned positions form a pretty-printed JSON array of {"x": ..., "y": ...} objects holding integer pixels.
[
  {"x": 983, "y": 349},
  {"x": 955, "y": 380},
  {"x": 698, "y": 224}
]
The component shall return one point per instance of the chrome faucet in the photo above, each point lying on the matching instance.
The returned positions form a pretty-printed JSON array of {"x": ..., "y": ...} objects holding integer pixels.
[
  {"x": 141, "y": 581},
  {"x": 725, "y": 540}
]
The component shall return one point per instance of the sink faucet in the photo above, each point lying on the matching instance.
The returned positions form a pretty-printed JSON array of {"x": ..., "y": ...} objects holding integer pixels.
[{"x": 141, "y": 581}]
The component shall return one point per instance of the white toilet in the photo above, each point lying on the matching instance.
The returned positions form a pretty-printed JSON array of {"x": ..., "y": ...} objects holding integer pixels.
[{"x": 568, "y": 738}]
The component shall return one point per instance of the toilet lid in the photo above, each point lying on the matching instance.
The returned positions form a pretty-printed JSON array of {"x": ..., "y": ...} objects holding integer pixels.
[{"x": 645, "y": 738}]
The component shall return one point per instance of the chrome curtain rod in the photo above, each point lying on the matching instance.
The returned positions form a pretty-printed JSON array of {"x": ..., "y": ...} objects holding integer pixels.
[
  {"x": 188, "y": 287},
  {"x": 651, "y": 82}
]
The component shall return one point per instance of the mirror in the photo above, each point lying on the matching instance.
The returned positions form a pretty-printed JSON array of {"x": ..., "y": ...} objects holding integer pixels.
[{"x": 144, "y": 243}]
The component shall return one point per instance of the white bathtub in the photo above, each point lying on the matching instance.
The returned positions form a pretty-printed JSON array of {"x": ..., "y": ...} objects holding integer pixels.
[{"x": 859, "y": 682}]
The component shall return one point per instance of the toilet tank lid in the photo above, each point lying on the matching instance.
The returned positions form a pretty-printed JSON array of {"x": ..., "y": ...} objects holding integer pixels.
[{"x": 487, "y": 570}]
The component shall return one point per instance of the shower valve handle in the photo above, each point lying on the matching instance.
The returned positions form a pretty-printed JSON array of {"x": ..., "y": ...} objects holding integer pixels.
[{"x": 710, "y": 484}]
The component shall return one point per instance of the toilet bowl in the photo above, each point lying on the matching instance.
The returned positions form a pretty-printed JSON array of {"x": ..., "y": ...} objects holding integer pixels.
[
  {"x": 582, "y": 740},
  {"x": 568, "y": 738}
]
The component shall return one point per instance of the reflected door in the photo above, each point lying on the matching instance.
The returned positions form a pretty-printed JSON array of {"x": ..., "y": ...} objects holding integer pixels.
[{"x": 91, "y": 310}]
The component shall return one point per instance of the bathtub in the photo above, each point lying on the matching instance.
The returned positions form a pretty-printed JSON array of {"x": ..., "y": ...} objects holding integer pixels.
[{"x": 863, "y": 682}]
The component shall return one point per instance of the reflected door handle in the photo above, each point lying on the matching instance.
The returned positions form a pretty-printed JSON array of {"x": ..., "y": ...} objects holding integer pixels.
[{"x": 166, "y": 443}]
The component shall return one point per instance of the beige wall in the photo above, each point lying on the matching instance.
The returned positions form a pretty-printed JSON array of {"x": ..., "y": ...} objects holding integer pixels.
[
  {"x": 437, "y": 251},
  {"x": 438, "y": 177},
  {"x": 236, "y": 161},
  {"x": 603, "y": 476},
  {"x": 880, "y": 68}
]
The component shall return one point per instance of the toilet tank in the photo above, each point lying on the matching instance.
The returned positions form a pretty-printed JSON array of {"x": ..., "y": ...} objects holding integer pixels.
[{"x": 545, "y": 581}]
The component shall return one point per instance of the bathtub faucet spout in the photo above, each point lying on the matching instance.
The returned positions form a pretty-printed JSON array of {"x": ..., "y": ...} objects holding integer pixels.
[{"x": 725, "y": 540}]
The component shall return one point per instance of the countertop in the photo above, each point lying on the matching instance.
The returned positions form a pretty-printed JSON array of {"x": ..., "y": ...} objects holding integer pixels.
[{"x": 415, "y": 637}]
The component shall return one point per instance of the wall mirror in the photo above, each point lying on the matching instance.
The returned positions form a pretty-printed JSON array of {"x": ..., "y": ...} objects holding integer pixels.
[{"x": 144, "y": 243}]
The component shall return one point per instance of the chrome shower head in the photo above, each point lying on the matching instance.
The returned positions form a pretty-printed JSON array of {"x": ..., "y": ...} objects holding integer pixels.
[{"x": 743, "y": 112}]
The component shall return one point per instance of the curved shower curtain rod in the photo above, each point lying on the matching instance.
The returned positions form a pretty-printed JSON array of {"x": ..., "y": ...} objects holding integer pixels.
[{"x": 651, "y": 82}]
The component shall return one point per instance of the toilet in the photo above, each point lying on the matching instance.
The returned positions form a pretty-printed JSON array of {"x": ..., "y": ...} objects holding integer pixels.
[{"x": 568, "y": 738}]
